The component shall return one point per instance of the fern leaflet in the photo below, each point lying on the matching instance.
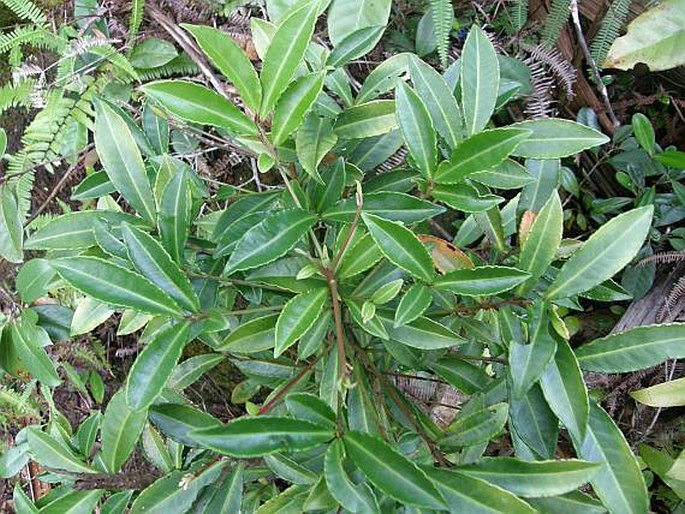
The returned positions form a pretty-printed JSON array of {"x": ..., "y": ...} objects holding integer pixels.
[
  {"x": 519, "y": 14},
  {"x": 555, "y": 21},
  {"x": 26, "y": 10},
  {"x": 609, "y": 30},
  {"x": 442, "y": 13}
]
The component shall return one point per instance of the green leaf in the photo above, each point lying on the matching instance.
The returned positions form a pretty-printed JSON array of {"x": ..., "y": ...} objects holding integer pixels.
[
  {"x": 413, "y": 304},
  {"x": 479, "y": 152},
  {"x": 532, "y": 479},
  {"x": 314, "y": 139},
  {"x": 89, "y": 314},
  {"x": 156, "y": 128},
  {"x": 229, "y": 494},
  {"x": 352, "y": 497},
  {"x": 460, "y": 374},
  {"x": 298, "y": 314},
  {"x": 369, "y": 119},
  {"x": 155, "y": 264},
  {"x": 555, "y": 138},
  {"x": 310, "y": 408},
  {"x": 571, "y": 503},
  {"x": 230, "y": 60},
  {"x": 667, "y": 394},
  {"x": 507, "y": 175},
  {"x": 174, "y": 216},
  {"x": 637, "y": 348},
  {"x": 533, "y": 422},
  {"x": 479, "y": 80},
  {"x": 73, "y": 502},
  {"x": 465, "y": 198},
  {"x": 541, "y": 245},
  {"x": 392, "y": 472},
  {"x": 11, "y": 227},
  {"x": 564, "y": 389},
  {"x": 422, "y": 333},
  {"x": 49, "y": 452},
  {"x": 484, "y": 280},
  {"x": 546, "y": 176},
  {"x": 178, "y": 421},
  {"x": 121, "y": 428},
  {"x": 117, "y": 503},
  {"x": 3, "y": 142},
  {"x": 466, "y": 494},
  {"x": 359, "y": 258},
  {"x": 384, "y": 77},
  {"x": 439, "y": 101},
  {"x": 391, "y": 206},
  {"x": 417, "y": 129},
  {"x": 619, "y": 482},
  {"x": 191, "y": 369},
  {"x": 294, "y": 104},
  {"x": 153, "y": 367},
  {"x": 256, "y": 437},
  {"x": 28, "y": 341},
  {"x": 122, "y": 161},
  {"x": 95, "y": 185},
  {"x": 197, "y": 104},
  {"x": 354, "y": 45},
  {"x": 256, "y": 335},
  {"x": 114, "y": 285},
  {"x": 655, "y": 38},
  {"x": 270, "y": 239},
  {"x": 387, "y": 292},
  {"x": 400, "y": 246},
  {"x": 606, "y": 252},
  {"x": 476, "y": 427},
  {"x": 285, "y": 52},
  {"x": 289, "y": 470},
  {"x": 152, "y": 53},
  {"x": 346, "y": 17},
  {"x": 644, "y": 131}
]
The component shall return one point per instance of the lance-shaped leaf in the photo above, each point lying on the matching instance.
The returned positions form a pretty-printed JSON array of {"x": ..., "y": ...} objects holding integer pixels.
[
  {"x": 359, "y": 257},
  {"x": 255, "y": 335},
  {"x": 527, "y": 362},
  {"x": 122, "y": 161},
  {"x": 417, "y": 128},
  {"x": 507, "y": 175},
  {"x": 285, "y": 52},
  {"x": 480, "y": 152},
  {"x": 358, "y": 43},
  {"x": 467, "y": 494},
  {"x": 475, "y": 427},
  {"x": 294, "y": 104},
  {"x": 72, "y": 502},
  {"x": 484, "y": 280},
  {"x": 413, "y": 304},
  {"x": 53, "y": 454},
  {"x": 439, "y": 101},
  {"x": 534, "y": 423},
  {"x": 564, "y": 389},
  {"x": 422, "y": 333},
  {"x": 607, "y": 251},
  {"x": 532, "y": 479},
  {"x": 619, "y": 482},
  {"x": 465, "y": 198},
  {"x": 178, "y": 421},
  {"x": 310, "y": 408},
  {"x": 197, "y": 104},
  {"x": 114, "y": 285},
  {"x": 11, "y": 227},
  {"x": 392, "y": 472},
  {"x": 27, "y": 341},
  {"x": 400, "y": 246},
  {"x": 479, "y": 80},
  {"x": 314, "y": 139},
  {"x": 384, "y": 77},
  {"x": 637, "y": 348},
  {"x": 348, "y": 16},
  {"x": 554, "y": 138},
  {"x": 174, "y": 216},
  {"x": 95, "y": 185},
  {"x": 229, "y": 494},
  {"x": 121, "y": 428},
  {"x": 155, "y": 264},
  {"x": 230, "y": 60},
  {"x": 256, "y": 437},
  {"x": 297, "y": 316},
  {"x": 352, "y": 497},
  {"x": 667, "y": 394},
  {"x": 462, "y": 375},
  {"x": 542, "y": 243},
  {"x": 153, "y": 367},
  {"x": 367, "y": 120},
  {"x": 270, "y": 239},
  {"x": 392, "y": 206}
]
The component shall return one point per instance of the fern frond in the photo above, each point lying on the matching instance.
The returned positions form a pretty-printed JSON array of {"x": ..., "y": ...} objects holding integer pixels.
[
  {"x": 118, "y": 60},
  {"x": 16, "y": 95},
  {"x": 564, "y": 72},
  {"x": 555, "y": 21},
  {"x": 182, "y": 65},
  {"x": 609, "y": 30},
  {"x": 519, "y": 13},
  {"x": 663, "y": 258},
  {"x": 674, "y": 295},
  {"x": 442, "y": 13},
  {"x": 26, "y": 10},
  {"x": 135, "y": 20},
  {"x": 23, "y": 189},
  {"x": 20, "y": 36}
]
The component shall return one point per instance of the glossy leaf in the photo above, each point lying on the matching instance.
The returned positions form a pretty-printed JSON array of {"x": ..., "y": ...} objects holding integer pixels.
[
  {"x": 95, "y": 185},
  {"x": 352, "y": 497},
  {"x": 354, "y": 45},
  {"x": 11, "y": 227},
  {"x": 314, "y": 139},
  {"x": 481, "y": 151},
  {"x": 256, "y": 437},
  {"x": 114, "y": 285},
  {"x": 476, "y": 427},
  {"x": 28, "y": 341},
  {"x": 507, "y": 175},
  {"x": 556, "y": 138},
  {"x": 384, "y": 77},
  {"x": 417, "y": 129},
  {"x": 484, "y": 280},
  {"x": 461, "y": 375},
  {"x": 619, "y": 482},
  {"x": 254, "y": 336},
  {"x": 345, "y": 17},
  {"x": 230, "y": 60},
  {"x": 294, "y": 104},
  {"x": 310, "y": 408},
  {"x": 198, "y": 104},
  {"x": 121, "y": 428},
  {"x": 178, "y": 421},
  {"x": 174, "y": 216},
  {"x": 122, "y": 161},
  {"x": 479, "y": 80},
  {"x": 89, "y": 314},
  {"x": 152, "y": 53},
  {"x": 534, "y": 423},
  {"x": 359, "y": 257},
  {"x": 270, "y": 239},
  {"x": 422, "y": 333},
  {"x": 298, "y": 314},
  {"x": 392, "y": 472},
  {"x": 285, "y": 52},
  {"x": 400, "y": 246},
  {"x": 153, "y": 367},
  {"x": 606, "y": 252},
  {"x": 367, "y": 120},
  {"x": 190, "y": 370},
  {"x": 391, "y": 206},
  {"x": 73, "y": 502},
  {"x": 49, "y": 452},
  {"x": 413, "y": 304},
  {"x": 637, "y": 348},
  {"x": 465, "y": 198}
]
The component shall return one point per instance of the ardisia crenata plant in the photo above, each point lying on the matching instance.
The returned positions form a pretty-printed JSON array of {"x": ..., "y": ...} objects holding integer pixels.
[{"x": 329, "y": 294}]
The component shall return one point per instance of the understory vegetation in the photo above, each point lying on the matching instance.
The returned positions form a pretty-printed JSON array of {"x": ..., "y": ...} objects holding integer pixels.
[{"x": 363, "y": 256}]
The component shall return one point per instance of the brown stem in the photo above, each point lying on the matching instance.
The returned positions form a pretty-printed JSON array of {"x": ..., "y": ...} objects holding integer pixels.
[
  {"x": 353, "y": 228},
  {"x": 278, "y": 396},
  {"x": 337, "y": 318}
]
